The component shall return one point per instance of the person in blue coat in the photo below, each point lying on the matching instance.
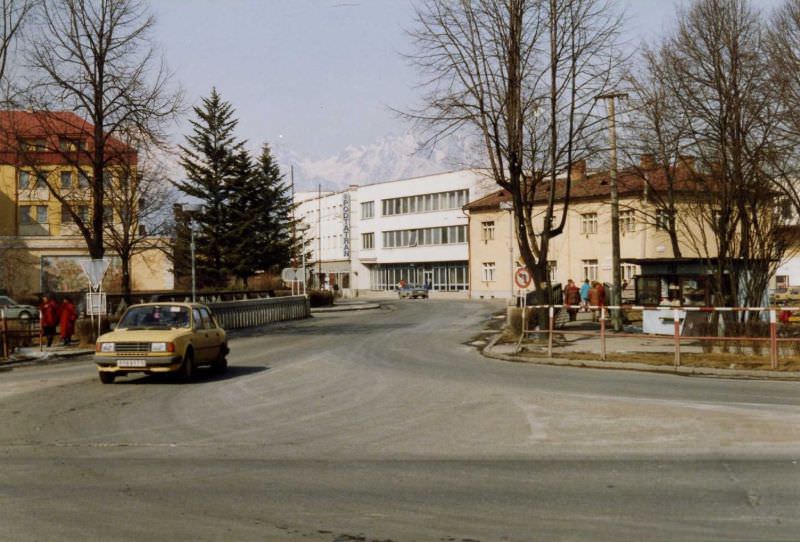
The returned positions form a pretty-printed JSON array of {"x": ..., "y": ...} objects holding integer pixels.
[{"x": 585, "y": 287}]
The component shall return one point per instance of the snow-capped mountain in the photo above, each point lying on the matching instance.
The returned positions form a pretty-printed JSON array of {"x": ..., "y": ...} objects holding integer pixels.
[{"x": 390, "y": 158}]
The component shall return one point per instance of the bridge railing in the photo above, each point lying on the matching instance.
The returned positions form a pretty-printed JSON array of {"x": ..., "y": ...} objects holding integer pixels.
[{"x": 255, "y": 312}]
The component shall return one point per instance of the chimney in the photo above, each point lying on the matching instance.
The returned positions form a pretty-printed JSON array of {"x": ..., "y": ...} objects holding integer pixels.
[
  {"x": 577, "y": 171},
  {"x": 647, "y": 162}
]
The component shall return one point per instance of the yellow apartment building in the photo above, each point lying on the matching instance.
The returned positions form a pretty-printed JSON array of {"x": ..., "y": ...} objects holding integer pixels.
[
  {"x": 583, "y": 250},
  {"x": 40, "y": 244}
]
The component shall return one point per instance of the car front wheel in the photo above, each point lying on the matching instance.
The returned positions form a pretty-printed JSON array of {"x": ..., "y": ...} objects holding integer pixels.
[{"x": 106, "y": 378}]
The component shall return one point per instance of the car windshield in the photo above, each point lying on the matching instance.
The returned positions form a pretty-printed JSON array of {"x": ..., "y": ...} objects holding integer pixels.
[
  {"x": 155, "y": 317},
  {"x": 6, "y": 300}
]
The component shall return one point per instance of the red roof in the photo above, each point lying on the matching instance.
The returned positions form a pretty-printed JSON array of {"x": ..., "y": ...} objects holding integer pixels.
[
  {"x": 630, "y": 181},
  {"x": 50, "y": 128}
]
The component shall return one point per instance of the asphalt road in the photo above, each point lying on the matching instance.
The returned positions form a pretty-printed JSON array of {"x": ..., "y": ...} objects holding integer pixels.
[{"x": 386, "y": 425}]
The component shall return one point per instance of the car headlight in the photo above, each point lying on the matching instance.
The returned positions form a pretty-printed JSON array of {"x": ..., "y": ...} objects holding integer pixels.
[
  {"x": 162, "y": 347},
  {"x": 105, "y": 347}
]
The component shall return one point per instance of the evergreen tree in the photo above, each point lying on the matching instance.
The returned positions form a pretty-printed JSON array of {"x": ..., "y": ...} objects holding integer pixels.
[
  {"x": 209, "y": 159},
  {"x": 263, "y": 210}
]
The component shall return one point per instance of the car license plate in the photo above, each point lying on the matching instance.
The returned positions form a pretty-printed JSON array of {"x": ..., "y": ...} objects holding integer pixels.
[{"x": 131, "y": 363}]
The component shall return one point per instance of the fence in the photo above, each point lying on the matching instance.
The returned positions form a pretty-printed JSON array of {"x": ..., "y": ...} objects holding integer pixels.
[
  {"x": 256, "y": 312},
  {"x": 230, "y": 315},
  {"x": 746, "y": 330}
]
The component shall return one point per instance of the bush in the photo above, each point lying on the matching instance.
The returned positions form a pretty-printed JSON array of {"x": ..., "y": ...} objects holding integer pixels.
[{"x": 320, "y": 298}]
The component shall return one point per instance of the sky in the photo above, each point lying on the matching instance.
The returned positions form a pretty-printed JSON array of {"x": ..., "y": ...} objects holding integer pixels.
[{"x": 315, "y": 76}]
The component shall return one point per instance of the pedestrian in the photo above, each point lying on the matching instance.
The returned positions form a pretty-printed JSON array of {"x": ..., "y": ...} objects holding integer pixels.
[
  {"x": 572, "y": 298},
  {"x": 49, "y": 319},
  {"x": 585, "y": 295},
  {"x": 67, "y": 317},
  {"x": 594, "y": 300}
]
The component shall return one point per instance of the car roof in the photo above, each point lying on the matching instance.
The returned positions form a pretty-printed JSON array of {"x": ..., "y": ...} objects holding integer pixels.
[{"x": 170, "y": 303}]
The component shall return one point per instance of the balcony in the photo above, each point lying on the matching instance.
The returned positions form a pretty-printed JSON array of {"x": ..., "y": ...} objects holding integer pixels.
[{"x": 34, "y": 194}]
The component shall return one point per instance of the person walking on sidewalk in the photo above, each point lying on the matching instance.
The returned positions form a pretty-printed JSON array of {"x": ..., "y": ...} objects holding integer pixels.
[
  {"x": 572, "y": 298},
  {"x": 49, "y": 321},
  {"x": 585, "y": 295},
  {"x": 67, "y": 317}
]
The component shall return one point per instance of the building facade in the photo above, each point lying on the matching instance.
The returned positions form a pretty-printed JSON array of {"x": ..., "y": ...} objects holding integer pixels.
[
  {"x": 370, "y": 238},
  {"x": 40, "y": 244}
]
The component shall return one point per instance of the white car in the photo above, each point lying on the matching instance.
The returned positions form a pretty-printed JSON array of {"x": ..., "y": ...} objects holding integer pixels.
[{"x": 14, "y": 310}]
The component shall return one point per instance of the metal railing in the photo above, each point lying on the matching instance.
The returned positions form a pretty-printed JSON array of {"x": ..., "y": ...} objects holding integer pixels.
[
  {"x": 255, "y": 312},
  {"x": 774, "y": 334}
]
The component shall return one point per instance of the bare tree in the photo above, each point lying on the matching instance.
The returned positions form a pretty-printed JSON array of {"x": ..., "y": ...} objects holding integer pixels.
[
  {"x": 523, "y": 75},
  {"x": 15, "y": 14},
  {"x": 96, "y": 59},
  {"x": 722, "y": 100},
  {"x": 138, "y": 213}
]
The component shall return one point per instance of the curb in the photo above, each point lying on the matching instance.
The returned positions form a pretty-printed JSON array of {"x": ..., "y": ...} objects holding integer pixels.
[
  {"x": 49, "y": 358},
  {"x": 347, "y": 307},
  {"x": 644, "y": 367}
]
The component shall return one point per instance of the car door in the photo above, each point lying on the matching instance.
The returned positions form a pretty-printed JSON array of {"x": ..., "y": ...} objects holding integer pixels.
[
  {"x": 200, "y": 338},
  {"x": 213, "y": 334}
]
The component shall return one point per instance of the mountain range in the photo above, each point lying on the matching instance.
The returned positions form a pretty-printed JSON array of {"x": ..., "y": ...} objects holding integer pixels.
[{"x": 389, "y": 158}]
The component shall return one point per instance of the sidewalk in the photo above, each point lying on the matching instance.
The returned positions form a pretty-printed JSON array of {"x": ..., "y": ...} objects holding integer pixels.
[
  {"x": 583, "y": 351},
  {"x": 32, "y": 354}
]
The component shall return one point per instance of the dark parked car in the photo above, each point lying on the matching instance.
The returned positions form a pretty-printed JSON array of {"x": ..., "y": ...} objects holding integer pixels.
[{"x": 411, "y": 291}]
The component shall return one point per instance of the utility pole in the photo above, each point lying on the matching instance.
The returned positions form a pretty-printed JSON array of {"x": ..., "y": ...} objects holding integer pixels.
[
  {"x": 319, "y": 235},
  {"x": 616, "y": 297}
]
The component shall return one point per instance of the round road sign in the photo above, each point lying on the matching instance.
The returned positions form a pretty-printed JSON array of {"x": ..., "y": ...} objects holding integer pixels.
[{"x": 522, "y": 277}]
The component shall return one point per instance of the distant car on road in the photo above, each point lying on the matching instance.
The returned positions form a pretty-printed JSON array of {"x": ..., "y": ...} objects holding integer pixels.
[
  {"x": 14, "y": 310},
  {"x": 162, "y": 338},
  {"x": 412, "y": 291}
]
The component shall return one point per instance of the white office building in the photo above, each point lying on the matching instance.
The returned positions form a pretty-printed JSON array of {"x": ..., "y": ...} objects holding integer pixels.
[{"x": 369, "y": 238}]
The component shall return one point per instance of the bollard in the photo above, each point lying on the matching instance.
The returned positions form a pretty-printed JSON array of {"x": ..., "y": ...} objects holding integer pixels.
[
  {"x": 677, "y": 320},
  {"x": 550, "y": 332},
  {"x": 5, "y": 332},
  {"x": 603, "y": 333}
]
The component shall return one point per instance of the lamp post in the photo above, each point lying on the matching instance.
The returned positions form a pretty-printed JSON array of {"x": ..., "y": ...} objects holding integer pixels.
[
  {"x": 190, "y": 210},
  {"x": 302, "y": 229}
]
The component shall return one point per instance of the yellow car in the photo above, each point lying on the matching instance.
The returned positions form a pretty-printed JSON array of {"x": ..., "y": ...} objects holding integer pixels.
[{"x": 162, "y": 338}]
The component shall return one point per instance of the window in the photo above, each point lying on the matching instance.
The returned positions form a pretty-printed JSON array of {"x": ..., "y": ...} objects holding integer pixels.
[
  {"x": 66, "y": 180},
  {"x": 24, "y": 180},
  {"x": 34, "y": 145},
  {"x": 488, "y": 271},
  {"x": 589, "y": 223},
  {"x": 662, "y": 219},
  {"x": 108, "y": 214},
  {"x": 82, "y": 210},
  {"x": 367, "y": 241},
  {"x": 449, "y": 235},
  {"x": 368, "y": 209},
  {"x": 455, "y": 199},
  {"x": 487, "y": 230},
  {"x": 83, "y": 179},
  {"x": 628, "y": 271},
  {"x": 589, "y": 269},
  {"x": 627, "y": 221},
  {"x": 71, "y": 145},
  {"x": 32, "y": 214},
  {"x": 25, "y": 215},
  {"x": 552, "y": 269},
  {"x": 41, "y": 180}
]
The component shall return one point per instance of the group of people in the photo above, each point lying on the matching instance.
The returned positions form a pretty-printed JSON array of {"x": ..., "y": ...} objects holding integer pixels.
[
  {"x": 55, "y": 316},
  {"x": 588, "y": 295}
]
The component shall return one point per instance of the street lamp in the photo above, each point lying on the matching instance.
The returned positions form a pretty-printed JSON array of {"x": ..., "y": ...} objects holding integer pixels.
[
  {"x": 303, "y": 228},
  {"x": 190, "y": 209}
]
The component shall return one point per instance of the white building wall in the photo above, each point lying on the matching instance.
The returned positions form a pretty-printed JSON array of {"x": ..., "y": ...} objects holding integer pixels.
[{"x": 325, "y": 217}]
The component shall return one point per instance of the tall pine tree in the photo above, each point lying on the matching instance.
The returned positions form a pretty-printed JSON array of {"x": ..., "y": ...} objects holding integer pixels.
[
  {"x": 209, "y": 159},
  {"x": 262, "y": 207}
]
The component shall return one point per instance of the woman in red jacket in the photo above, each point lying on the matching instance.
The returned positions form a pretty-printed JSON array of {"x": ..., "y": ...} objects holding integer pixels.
[
  {"x": 66, "y": 320},
  {"x": 49, "y": 320}
]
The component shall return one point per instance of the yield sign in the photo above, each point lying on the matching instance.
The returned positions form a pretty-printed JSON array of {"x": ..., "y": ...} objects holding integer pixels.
[{"x": 95, "y": 270}]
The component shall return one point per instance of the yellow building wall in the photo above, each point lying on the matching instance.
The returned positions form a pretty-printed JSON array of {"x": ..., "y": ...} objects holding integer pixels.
[
  {"x": 572, "y": 247},
  {"x": 8, "y": 181}
]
